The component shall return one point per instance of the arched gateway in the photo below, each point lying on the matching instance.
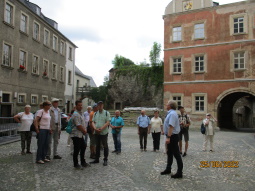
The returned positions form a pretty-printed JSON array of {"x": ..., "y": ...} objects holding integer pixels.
[{"x": 235, "y": 109}]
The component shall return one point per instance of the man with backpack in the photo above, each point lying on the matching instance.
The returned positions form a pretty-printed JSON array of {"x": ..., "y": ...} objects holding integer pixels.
[
  {"x": 184, "y": 124},
  {"x": 100, "y": 123},
  {"x": 78, "y": 130}
]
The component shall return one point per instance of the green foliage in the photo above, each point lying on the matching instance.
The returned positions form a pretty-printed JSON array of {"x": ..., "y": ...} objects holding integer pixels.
[
  {"x": 120, "y": 61},
  {"x": 155, "y": 54}
]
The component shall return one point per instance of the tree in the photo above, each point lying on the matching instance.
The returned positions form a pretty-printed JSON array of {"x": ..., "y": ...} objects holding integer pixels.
[
  {"x": 120, "y": 61},
  {"x": 155, "y": 54}
]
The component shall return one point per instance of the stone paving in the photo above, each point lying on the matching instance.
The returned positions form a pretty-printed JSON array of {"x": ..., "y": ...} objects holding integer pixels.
[{"x": 134, "y": 170}]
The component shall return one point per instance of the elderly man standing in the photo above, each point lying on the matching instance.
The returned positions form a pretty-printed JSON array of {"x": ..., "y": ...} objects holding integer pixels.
[
  {"x": 100, "y": 123},
  {"x": 91, "y": 133},
  {"x": 117, "y": 123},
  {"x": 55, "y": 126},
  {"x": 143, "y": 123},
  {"x": 171, "y": 130}
]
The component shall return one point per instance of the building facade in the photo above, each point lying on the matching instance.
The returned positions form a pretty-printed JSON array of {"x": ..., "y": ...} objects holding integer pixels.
[
  {"x": 33, "y": 57},
  {"x": 209, "y": 57}
]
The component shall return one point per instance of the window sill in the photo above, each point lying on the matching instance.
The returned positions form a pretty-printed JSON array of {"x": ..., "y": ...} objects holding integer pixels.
[
  {"x": 242, "y": 33},
  {"x": 54, "y": 51},
  {"x": 199, "y": 72},
  {"x": 62, "y": 55},
  {"x": 239, "y": 70},
  {"x": 53, "y": 79},
  {"x": 69, "y": 84},
  {"x": 24, "y": 33},
  {"x": 33, "y": 74},
  {"x": 70, "y": 59},
  {"x": 45, "y": 77},
  {"x": 176, "y": 41},
  {"x": 21, "y": 104},
  {"x": 176, "y": 73},
  {"x": 22, "y": 70},
  {"x": 8, "y": 24},
  {"x": 7, "y": 67},
  {"x": 36, "y": 40},
  {"x": 62, "y": 82},
  {"x": 34, "y": 104},
  {"x": 46, "y": 45},
  {"x": 202, "y": 38}
]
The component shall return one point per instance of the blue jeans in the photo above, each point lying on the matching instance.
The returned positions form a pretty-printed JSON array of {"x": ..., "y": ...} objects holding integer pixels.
[
  {"x": 43, "y": 144},
  {"x": 116, "y": 140}
]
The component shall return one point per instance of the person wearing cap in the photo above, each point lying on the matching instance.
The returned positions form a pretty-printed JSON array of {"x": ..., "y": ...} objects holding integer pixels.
[
  {"x": 91, "y": 132},
  {"x": 156, "y": 129},
  {"x": 100, "y": 123},
  {"x": 210, "y": 124},
  {"x": 184, "y": 124},
  {"x": 25, "y": 119},
  {"x": 55, "y": 126}
]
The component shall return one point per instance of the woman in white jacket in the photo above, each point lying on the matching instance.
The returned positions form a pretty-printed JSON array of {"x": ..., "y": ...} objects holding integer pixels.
[{"x": 210, "y": 124}]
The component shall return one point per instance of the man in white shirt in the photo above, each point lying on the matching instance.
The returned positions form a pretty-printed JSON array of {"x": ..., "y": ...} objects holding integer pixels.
[{"x": 55, "y": 126}]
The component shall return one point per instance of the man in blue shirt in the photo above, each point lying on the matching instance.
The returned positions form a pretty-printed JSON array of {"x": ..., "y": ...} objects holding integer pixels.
[
  {"x": 143, "y": 122},
  {"x": 171, "y": 130},
  {"x": 116, "y": 124}
]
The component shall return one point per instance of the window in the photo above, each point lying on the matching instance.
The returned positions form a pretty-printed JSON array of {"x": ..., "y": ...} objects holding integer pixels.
[
  {"x": 61, "y": 77},
  {"x": 199, "y": 63},
  {"x": 55, "y": 43},
  {"x": 6, "y": 97},
  {"x": 9, "y": 11},
  {"x": 21, "y": 98},
  {"x": 35, "y": 65},
  {"x": 36, "y": 33},
  {"x": 60, "y": 102},
  {"x": 38, "y": 11},
  {"x": 46, "y": 40},
  {"x": 22, "y": 59},
  {"x": 199, "y": 103},
  {"x": 62, "y": 48},
  {"x": 54, "y": 71},
  {"x": 24, "y": 23},
  {"x": 70, "y": 53},
  {"x": 239, "y": 25},
  {"x": 177, "y": 34},
  {"x": 69, "y": 77},
  {"x": 7, "y": 55},
  {"x": 199, "y": 31},
  {"x": 44, "y": 98},
  {"x": 45, "y": 68},
  {"x": 177, "y": 65},
  {"x": 239, "y": 60},
  {"x": 34, "y": 99},
  {"x": 178, "y": 100}
]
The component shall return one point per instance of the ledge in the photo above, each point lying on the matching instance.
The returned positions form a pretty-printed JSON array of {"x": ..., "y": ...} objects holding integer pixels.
[
  {"x": 22, "y": 70},
  {"x": 36, "y": 40},
  {"x": 21, "y": 104},
  {"x": 33, "y": 74},
  {"x": 24, "y": 33},
  {"x": 45, "y": 77},
  {"x": 8, "y": 24},
  {"x": 46, "y": 45},
  {"x": 53, "y": 79},
  {"x": 62, "y": 82},
  {"x": 55, "y": 51},
  {"x": 7, "y": 67}
]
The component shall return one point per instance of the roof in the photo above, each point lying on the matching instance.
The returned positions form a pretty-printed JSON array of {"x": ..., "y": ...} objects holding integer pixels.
[
  {"x": 37, "y": 10},
  {"x": 79, "y": 73}
]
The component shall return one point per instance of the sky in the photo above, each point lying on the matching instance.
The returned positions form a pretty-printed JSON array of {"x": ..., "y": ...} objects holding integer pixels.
[{"x": 103, "y": 28}]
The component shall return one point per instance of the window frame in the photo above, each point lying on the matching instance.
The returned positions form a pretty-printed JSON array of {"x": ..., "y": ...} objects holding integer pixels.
[
  {"x": 173, "y": 34},
  {"x": 245, "y": 24},
  {"x": 194, "y": 63},
  {"x": 48, "y": 38},
  {"x": 62, "y": 48},
  {"x": 55, "y": 43},
  {"x": 198, "y": 38},
  {"x": 181, "y": 95},
  {"x": 18, "y": 98},
  {"x": 45, "y": 96},
  {"x": 33, "y": 64},
  {"x": 9, "y": 56},
  {"x": 232, "y": 60},
  {"x": 172, "y": 63},
  {"x": 62, "y": 74},
  {"x": 70, "y": 53},
  {"x": 56, "y": 71},
  {"x": 26, "y": 23},
  {"x": 36, "y": 96},
  {"x": 12, "y": 17},
  {"x": 47, "y": 69},
  {"x": 26, "y": 58},
  {"x": 39, "y": 27},
  {"x": 69, "y": 77},
  {"x": 194, "y": 95}
]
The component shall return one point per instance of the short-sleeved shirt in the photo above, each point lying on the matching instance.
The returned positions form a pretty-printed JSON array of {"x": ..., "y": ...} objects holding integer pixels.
[
  {"x": 44, "y": 119},
  {"x": 117, "y": 121},
  {"x": 143, "y": 121},
  {"x": 184, "y": 118},
  {"x": 77, "y": 119},
  {"x": 26, "y": 121},
  {"x": 86, "y": 117},
  {"x": 173, "y": 120},
  {"x": 156, "y": 124},
  {"x": 100, "y": 118},
  {"x": 210, "y": 127},
  {"x": 91, "y": 114}
]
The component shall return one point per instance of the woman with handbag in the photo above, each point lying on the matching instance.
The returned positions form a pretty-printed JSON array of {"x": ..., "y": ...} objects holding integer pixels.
[
  {"x": 42, "y": 126},
  {"x": 25, "y": 119}
]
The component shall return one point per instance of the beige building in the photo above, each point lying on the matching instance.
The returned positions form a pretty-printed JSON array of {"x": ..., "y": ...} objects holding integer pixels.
[{"x": 33, "y": 57}]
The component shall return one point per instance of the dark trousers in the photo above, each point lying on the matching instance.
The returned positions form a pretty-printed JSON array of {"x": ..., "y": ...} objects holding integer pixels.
[
  {"x": 78, "y": 147},
  {"x": 26, "y": 137},
  {"x": 173, "y": 150},
  {"x": 143, "y": 134},
  {"x": 43, "y": 144},
  {"x": 104, "y": 140},
  {"x": 117, "y": 142},
  {"x": 156, "y": 140}
]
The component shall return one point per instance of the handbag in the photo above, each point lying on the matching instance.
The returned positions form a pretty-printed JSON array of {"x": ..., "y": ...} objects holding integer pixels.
[
  {"x": 32, "y": 127},
  {"x": 202, "y": 128}
]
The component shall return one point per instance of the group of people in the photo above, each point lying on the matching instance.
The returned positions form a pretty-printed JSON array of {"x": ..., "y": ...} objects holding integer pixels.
[
  {"x": 47, "y": 123},
  {"x": 95, "y": 122}
]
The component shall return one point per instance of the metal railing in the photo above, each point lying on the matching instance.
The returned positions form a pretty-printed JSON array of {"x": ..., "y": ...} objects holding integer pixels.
[{"x": 8, "y": 127}]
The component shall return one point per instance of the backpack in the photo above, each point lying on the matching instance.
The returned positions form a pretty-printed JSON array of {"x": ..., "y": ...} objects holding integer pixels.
[
  {"x": 70, "y": 126},
  {"x": 202, "y": 128}
]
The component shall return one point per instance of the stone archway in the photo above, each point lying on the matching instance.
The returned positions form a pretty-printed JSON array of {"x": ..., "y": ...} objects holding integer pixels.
[{"x": 227, "y": 104}]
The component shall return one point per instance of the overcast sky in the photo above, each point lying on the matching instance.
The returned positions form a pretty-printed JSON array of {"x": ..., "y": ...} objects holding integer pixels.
[{"x": 103, "y": 28}]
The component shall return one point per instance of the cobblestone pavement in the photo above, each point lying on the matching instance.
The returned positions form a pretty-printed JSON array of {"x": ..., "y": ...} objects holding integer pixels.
[{"x": 133, "y": 169}]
